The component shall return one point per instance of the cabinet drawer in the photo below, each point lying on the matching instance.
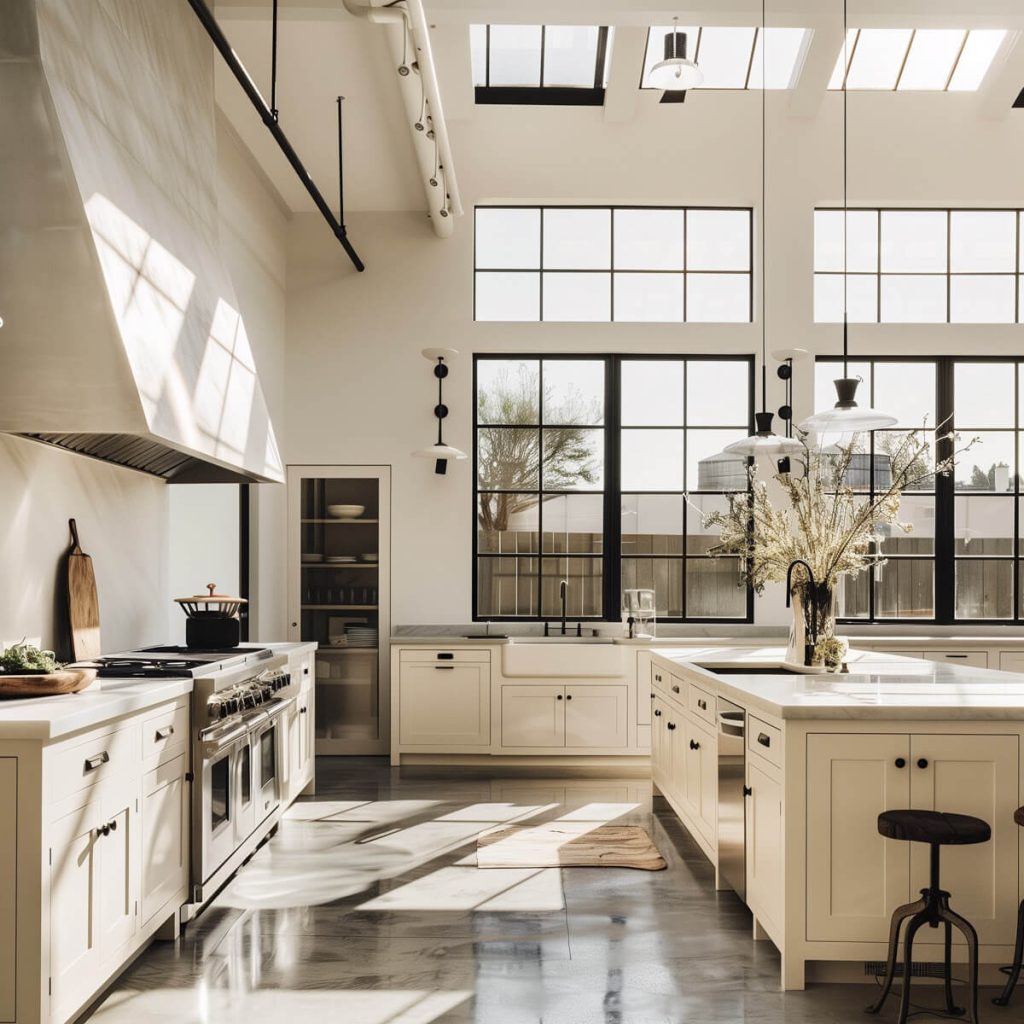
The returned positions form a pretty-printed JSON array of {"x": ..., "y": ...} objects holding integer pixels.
[
  {"x": 660, "y": 678},
  {"x": 675, "y": 686},
  {"x": 976, "y": 659},
  {"x": 1011, "y": 661},
  {"x": 765, "y": 740},
  {"x": 82, "y": 764},
  {"x": 443, "y": 656},
  {"x": 701, "y": 703},
  {"x": 165, "y": 732}
]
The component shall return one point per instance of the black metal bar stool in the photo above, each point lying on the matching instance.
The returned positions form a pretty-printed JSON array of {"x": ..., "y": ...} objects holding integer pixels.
[
  {"x": 937, "y": 829},
  {"x": 1018, "y": 950}
]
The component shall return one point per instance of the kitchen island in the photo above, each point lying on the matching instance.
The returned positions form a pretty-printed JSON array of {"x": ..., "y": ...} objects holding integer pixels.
[{"x": 822, "y": 756}]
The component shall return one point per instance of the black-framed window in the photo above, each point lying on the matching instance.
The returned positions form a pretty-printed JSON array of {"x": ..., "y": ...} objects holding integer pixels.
[
  {"x": 962, "y": 560},
  {"x": 613, "y": 263},
  {"x": 919, "y": 266},
  {"x": 555, "y": 65},
  {"x": 596, "y": 470}
]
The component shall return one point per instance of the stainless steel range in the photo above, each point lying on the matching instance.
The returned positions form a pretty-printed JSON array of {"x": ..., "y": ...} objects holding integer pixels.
[{"x": 238, "y": 698}]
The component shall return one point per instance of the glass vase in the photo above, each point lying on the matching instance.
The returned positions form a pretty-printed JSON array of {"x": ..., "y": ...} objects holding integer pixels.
[{"x": 814, "y": 620}]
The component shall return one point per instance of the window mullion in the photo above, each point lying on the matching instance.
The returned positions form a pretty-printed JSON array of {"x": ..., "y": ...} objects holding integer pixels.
[
  {"x": 945, "y": 490},
  {"x": 612, "y": 547}
]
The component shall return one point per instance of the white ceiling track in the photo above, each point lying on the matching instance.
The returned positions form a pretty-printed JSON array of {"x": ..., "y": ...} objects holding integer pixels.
[{"x": 409, "y": 40}]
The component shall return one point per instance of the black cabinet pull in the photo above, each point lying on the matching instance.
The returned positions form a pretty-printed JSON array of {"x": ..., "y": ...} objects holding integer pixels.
[
  {"x": 652, "y": 696},
  {"x": 305, "y": 670},
  {"x": 92, "y": 763},
  {"x": 103, "y": 830},
  {"x": 764, "y": 739},
  {"x": 165, "y": 733},
  {"x": 303, "y": 711},
  {"x": 671, "y": 725},
  {"x": 675, "y": 689},
  {"x": 955, "y": 655},
  {"x": 702, "y": 704},
  {"x": 922, "y": 762},
  {"x": 901, "y": 762},
  {"x": 747, "y": 791},
  {"x": 444, "y": 668},
  {"x": 112, "y": 825},
  {"x": 657, "y": 714},
  {"x": 658, "y": 677},
  {"x": 445, "y": 656},
  {"x": 694, "y": 745}
]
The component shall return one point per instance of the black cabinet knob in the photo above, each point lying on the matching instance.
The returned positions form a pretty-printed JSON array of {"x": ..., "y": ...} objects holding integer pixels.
[
  {"x": 747, "y": 791},
  {"x": 922, "y": 762},
  {"x": 652, "y": 696},
  {"x": 558, "y": 697},
  {"x": 568, "y": 696},
  {"x": 694, "y": 745},
  {"x": 675, "y": 689},
  {"x": 657, "y": 714},
  {"x": 671, "y": 725},
  {"x": 901, "y": 762}
]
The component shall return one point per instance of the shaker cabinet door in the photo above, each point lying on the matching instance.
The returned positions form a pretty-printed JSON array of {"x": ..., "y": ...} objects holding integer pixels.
[
  {"x": 532, "y": 715},
  {"x": 974, "y": 775},
  {"x": 445, "y": 705},
  {"x": 855, "y": 877},
  {"x": 165, "y": 835},
  {"x": 595, "y": 716}
]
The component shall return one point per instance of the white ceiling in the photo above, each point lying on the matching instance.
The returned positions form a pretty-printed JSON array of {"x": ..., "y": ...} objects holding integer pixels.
[{"x": 324, "y": 52}]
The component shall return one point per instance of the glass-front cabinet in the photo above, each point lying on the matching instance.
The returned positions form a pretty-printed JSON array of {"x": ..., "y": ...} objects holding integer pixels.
[{"x": 338, "y": 595}]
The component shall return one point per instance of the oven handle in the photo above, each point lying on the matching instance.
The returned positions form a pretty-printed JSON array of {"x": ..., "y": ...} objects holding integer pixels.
[
  {"x": 213, "y": 742},
  {"x": 276, "y": 706}
]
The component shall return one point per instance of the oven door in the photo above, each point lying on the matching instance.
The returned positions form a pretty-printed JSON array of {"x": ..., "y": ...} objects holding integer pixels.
[
  {"x": 245, "y": 789},
  {"x": 268, "y": 748},
  {"x": 218, "y": 808}
]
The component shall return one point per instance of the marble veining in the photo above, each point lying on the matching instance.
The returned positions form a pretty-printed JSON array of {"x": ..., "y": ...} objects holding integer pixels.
[{"x": 333, "y": 921}]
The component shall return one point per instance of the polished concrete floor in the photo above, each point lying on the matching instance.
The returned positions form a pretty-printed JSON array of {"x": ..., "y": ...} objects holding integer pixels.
[{"x": 366, "y": 908}]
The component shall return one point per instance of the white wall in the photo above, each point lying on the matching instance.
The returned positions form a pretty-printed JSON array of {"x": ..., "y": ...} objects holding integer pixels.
[
  {"x": 253, "y": 225},
  {"x": 359, "y": 391},
  {"x": 122, "y": 524}
]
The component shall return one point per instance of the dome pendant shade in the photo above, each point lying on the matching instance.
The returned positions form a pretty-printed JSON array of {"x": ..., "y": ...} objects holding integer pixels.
[
  {"x": 675, "y": 73},
  {"x": 440, "y": 453},
  {"x": 764, "y": 441},
  {"x": 846, "y": 417}
]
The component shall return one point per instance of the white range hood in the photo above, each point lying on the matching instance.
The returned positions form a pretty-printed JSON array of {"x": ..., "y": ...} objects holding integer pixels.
[{"x": 122, "y": 336}]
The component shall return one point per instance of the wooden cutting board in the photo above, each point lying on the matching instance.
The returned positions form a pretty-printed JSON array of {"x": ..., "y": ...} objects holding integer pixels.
[{"x": 83, "y": 603}]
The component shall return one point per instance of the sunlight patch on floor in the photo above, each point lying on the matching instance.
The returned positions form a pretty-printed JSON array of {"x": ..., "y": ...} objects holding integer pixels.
[
  {"x": 272, "y": 1006},
  {"x": 490, "y": 813},
  {"x": 466, "y": 888},
  {"x": 598, "y": 812}
]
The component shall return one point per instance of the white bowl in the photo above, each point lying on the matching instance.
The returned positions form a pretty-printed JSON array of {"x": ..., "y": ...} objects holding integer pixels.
[{"x": 345, "y": 511}]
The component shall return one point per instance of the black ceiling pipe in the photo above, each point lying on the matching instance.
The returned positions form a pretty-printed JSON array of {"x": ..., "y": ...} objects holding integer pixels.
[{"x": 213, "y": 30}]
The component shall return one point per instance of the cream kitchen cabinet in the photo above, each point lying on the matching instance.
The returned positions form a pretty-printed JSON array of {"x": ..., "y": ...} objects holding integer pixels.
[
  {"x": 165, "y": 835},
  {"x": 855, "y": 878},
  {"x": 700, "y": 773},
  {"x": 765, "y": 878},
  {"x": 443, "y": 700},
  {"x": 572, "y": 716},
  {"x": 974, "y": 659}
]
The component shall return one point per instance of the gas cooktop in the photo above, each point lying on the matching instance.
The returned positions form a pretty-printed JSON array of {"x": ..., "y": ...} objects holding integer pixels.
[{"x": 170, "y": 662}]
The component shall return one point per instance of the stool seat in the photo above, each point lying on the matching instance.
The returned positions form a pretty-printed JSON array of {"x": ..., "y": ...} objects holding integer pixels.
[{"x": 935, "y": 827}]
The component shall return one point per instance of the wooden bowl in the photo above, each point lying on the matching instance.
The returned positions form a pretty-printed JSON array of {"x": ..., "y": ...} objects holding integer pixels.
[{"x": 46, "y": 684}]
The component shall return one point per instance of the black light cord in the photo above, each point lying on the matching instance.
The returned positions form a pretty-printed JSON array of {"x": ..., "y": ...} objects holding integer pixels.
[
  {"x": 846, "y": 213},
  {"x": 764, "y": 208}
]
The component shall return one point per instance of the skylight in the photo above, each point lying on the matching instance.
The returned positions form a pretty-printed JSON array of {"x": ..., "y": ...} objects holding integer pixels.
[
  {"x": 539, "y": 63},
  {"x": 731, "y": 57},
  {"x": 905, "y": 60}
]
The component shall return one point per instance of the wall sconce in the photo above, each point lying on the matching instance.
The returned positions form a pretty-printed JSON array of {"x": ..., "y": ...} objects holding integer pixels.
[{"x": 440, "y": 452}]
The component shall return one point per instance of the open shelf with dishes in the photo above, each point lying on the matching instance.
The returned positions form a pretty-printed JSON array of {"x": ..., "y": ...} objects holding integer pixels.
[{"x": 338, "y": 597}]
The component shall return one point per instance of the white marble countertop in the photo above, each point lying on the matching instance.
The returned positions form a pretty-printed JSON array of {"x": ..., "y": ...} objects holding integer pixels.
[
  {"x": 50, "y": 718},
  {"x": 878, "y": 686}
]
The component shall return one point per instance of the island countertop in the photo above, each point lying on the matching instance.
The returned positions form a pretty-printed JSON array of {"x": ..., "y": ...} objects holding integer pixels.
[{"x": 878, "y": 686}]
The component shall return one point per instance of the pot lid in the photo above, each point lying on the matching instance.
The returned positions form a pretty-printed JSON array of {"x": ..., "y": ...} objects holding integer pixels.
[{"x": 211, "y": 598}]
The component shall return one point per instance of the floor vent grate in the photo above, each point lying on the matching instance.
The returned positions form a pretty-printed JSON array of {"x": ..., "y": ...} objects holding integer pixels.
[{"x": 876, "y": 969}]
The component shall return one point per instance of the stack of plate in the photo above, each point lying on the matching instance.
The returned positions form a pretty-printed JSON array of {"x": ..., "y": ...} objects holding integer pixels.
[
  {"x": 341, "y": 559},
  {"x": 361, "y": 636}
]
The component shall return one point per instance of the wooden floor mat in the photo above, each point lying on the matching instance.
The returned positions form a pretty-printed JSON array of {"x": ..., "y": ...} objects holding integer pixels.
[{"x": 569, "y": 844}]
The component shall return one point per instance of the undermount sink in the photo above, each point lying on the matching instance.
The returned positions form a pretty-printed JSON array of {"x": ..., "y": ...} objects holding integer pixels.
[
  {"x": 762, "y": 670},
  {"x": 559, "y": 639}
]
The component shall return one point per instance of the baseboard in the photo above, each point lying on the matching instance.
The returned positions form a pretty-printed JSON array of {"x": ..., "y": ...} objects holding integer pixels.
[{"x": 617, "y": 767}]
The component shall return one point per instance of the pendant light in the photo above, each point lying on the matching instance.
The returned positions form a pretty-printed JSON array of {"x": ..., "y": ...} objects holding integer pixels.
[
  {"x": 764, "y": 440},
  {"x": 675, "y": 73},
  {"x": 846, "y": 417},
  {"x": 440, "y": 452}
]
